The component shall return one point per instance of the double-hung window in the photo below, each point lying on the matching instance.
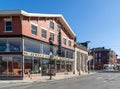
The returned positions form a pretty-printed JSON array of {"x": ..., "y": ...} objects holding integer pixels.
[
  {"x": 44, "y": 33},
  {"x": 51, "y": 25},
  {"x": 58, "y": 28},
  {"x": 33, "y": 29},
  {"x": 52, "y": 36},
  {"x": 69, "y": 43},
  {"x": 8, "y": 25},
  {"x": 64, "y": 41}
]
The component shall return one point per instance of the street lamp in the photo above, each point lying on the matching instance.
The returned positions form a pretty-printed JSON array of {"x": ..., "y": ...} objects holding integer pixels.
[
  {"x": 51, "y": 53},
  {"x": 50, "y": 65},
  {"x": 94, "y": 59}
]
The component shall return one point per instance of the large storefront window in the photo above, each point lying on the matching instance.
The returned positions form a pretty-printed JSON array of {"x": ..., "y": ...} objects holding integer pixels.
[
  {"x": 69, "y": 54},
  {"x": 58, "y": 65},
  {"x": 32, "y": 64},
  {"x": 37, "y": 65},
  {"x": 10, "y": 45},
  {"x": 62, "y": 66},
  {"x": 69, "y": 66},
  {"x": 31, "y": 45},
  {"x": 10, "y": 66},
  {"x": 27, "y": 64}
]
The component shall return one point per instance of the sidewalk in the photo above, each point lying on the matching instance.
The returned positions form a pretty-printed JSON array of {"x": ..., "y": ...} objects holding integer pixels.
[{"x": 42, "y": 79}]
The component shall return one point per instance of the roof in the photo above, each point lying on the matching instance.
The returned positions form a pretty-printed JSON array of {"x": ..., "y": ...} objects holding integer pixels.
[
  {"x": 24, "y": 13},
  {"x": 80, "y": 46}
]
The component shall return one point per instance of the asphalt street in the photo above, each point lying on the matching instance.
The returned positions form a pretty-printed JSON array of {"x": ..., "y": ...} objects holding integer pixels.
[{"x": 104, "y": 80}]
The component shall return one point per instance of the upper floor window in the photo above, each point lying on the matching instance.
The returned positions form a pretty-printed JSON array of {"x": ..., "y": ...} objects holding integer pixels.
[
  {"x": 52, "y": 36},
  {"x": 99, "y": 60},
  {"x": 51, "y": 24},
  {"x": 69, "y": 43},
  {"x": 64, "y": 41},
  {"x": 95, "y": 54},
  {"x": 99, "y": 54},
  {"x": 34, "y": 29},
  {"x": 58, "y": 27},
  {"x": 8, "y": 25},
  {"x": 44, "y": 33}
]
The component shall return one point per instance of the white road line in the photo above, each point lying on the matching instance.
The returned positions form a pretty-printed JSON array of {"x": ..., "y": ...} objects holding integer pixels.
[{"x": 99, "y": 77}]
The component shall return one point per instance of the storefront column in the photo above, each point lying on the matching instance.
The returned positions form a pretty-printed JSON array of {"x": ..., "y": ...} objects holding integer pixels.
[
  {"x": 55, "y": 66},
  {"x": 23, "y": 57},
  {"x": 60, "y": 65},
  {"x": 65, "y": 65},
  {"x": 23, "y": 66}
]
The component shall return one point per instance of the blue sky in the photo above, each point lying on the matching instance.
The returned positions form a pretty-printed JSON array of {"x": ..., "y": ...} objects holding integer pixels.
[{"x": 97, "y": 21}]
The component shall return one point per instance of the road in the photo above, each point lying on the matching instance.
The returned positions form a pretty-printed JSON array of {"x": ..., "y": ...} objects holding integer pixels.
[{"x": 107, "y": 80}]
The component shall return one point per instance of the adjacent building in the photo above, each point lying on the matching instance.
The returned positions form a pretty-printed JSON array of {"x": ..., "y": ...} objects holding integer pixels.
[
  {"x": 24, "y": 44},
  {"x": 81, "y": 59},
  {"x": 103, "y": 58}
]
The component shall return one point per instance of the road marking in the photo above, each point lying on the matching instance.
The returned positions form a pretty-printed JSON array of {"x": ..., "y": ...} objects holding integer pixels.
[
  {"x": 10, "y": 85},
  {"x": 105, "y": 81},
  {"x": 99, "y": 77}
]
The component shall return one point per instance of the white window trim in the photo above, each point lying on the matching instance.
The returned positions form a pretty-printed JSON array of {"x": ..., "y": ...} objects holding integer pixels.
[
  {"x": 52, "y": 32},
  {"x": 5, "y": 20},
  {"x": 34, "y": 25},
  {"x": 43, "y": 28}
]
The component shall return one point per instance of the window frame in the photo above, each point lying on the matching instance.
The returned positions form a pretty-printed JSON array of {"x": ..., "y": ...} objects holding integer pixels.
[
  {"x": 53, "y": 35},
  {"x": 69, "y": 43},
  {"x": 5, "y": 27},
  {"x": 58, "y": 27},
  {"x": 64, "y": 40},
  {"x": 52, "y": 24},
  {"x": 32, "y": 24},
  {"x": 42, "y": 33}
]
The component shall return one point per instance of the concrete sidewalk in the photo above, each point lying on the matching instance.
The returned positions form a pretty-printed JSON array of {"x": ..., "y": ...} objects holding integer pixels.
[{"x": 42, "y": 79}]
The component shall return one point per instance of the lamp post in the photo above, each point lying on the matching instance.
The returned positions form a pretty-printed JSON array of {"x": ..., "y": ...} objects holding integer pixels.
[
  {"x": 51, "y": 53},
  {"x": 50, "y": 65},
  {"x": 94, "y": 59}
]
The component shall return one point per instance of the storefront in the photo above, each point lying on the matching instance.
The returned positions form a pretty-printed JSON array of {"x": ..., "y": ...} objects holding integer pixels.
[{"x": 21, "y": 56}]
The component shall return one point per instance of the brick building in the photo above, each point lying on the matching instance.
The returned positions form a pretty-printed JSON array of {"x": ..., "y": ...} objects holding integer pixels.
[
  {"x": 24, "y": 44},
  {"x": 103, "y": 58}
]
